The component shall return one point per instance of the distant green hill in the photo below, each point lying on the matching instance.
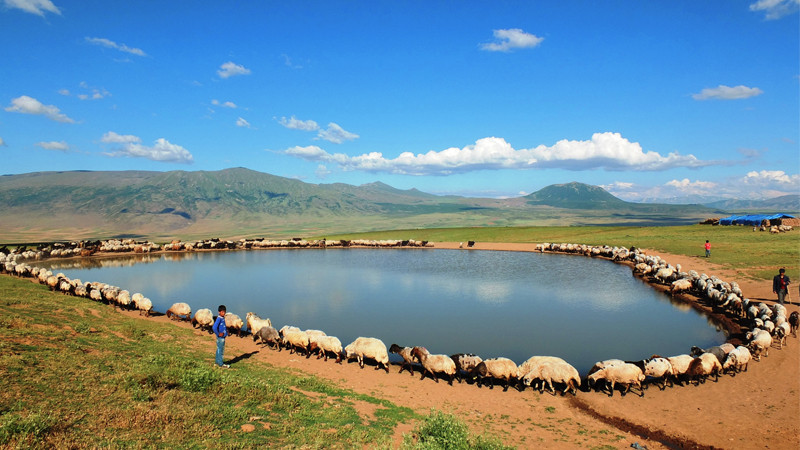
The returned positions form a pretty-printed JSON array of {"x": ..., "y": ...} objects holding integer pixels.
[{"x": 239, "y": 202}]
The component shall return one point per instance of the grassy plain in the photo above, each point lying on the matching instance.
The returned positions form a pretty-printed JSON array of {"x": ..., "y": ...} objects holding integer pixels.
[{"x": 77, "y": 374}]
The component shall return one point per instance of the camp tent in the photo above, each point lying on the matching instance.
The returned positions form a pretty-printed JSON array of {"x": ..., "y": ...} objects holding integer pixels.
[{"x": 752, "y": 219}]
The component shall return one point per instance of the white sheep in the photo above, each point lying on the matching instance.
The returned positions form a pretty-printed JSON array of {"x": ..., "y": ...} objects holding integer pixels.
[
  {"x": 534, "y": 361},
  {"x": 234, "y": 323},
  {"x": 496, "y": 369},
  {"x": 738, "y": 359},
  {"x": 295, "y": 340},
  {"x": 680, "y": 365},
  {"x": 626, "y": 374},
  {"x": 135, "y": 298},
  {"x": 325, "y": 345},
  {"x": 703, "y": 366},
  {"x": 94, "y": 294},
  {"x": 145, "y": 307},
  {"x": 434, "y": 364},
  {"x": 178, "y": 311},
  {"x": 658, "y": 368},
  {"x": 203, "y": 318},
  {"x": 664, "y": 274},
  {"x": 684, "y": 284},
  {"x": 255, "y": 323},
  {"x": 554, "y": 371},
  {"x": 366, "y": 347},
  {"x": 124, "y": 299},
  {"x": 760, "y": 342}
]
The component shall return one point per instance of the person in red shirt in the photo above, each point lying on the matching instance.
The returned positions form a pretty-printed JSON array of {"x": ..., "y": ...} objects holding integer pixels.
[{"x": 708, "y": 249}]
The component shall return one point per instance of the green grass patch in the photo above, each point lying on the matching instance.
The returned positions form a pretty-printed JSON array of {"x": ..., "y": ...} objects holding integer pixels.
[{"x": 445, "y": 431}]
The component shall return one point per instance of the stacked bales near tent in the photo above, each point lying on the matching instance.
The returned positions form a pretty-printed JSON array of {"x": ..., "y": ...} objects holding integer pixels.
[
  {"x": 757, "y": 220},
  {"x": 791, "y": 222}
]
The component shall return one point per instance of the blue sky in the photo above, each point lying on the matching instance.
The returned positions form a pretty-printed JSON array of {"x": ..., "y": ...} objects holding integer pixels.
[{"x": 650, "y": 100}]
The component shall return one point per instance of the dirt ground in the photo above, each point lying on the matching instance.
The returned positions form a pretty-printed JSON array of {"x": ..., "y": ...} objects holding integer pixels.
[{"x": 759, "y": 408}]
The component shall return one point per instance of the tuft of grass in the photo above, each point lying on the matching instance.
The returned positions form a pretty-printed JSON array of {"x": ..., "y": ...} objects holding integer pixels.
[
  {"x": 82, "y": 327},
  {"x": 439, "y": 430},
  {"x": 29, "y": 428}
]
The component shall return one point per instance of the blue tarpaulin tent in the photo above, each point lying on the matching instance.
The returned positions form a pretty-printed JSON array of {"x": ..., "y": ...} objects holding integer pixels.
[{"x": 752, "y": 219}]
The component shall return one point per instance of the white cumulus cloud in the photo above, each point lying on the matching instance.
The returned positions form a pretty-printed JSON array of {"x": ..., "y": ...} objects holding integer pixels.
[
  {"x": 723, "y": 92},
  {"x": 38, "y": 7},
  {"x": 240, "y": 122},
  {"x": 230, "y": 69},
  {"x": 511, "y": 39},
  {"x": 2, "y": 142},
  {"x": 752, "y": 186},
  {"x": 29, "y": 105},
  {"x": 694, "y": 187},
  {"x": 772, "y": 179},
  {"x": 609, "y": 151},
  {"x": 775, "y": 9},
  {"x": 103, "y": 42},
  {"x": 334, "y": 133},
  {"x": 54, "y": 145},
  {"x": 294, "y": 123},
  {"x": 162, "y": 150}
]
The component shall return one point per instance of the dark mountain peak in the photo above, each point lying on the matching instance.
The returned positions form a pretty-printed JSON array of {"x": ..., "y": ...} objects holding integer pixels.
[{"x": 574, "y": 195}]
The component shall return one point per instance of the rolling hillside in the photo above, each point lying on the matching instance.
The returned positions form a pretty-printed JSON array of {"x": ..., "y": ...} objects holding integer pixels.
[{"x": 240, "y": 202}]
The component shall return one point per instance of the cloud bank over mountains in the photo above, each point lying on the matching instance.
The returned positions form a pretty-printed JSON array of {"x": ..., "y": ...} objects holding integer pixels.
[{"x": 608, "y": 151}]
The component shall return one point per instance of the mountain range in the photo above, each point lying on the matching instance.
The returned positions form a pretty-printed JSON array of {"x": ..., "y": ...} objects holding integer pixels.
[{"x": 239, "y": 202}]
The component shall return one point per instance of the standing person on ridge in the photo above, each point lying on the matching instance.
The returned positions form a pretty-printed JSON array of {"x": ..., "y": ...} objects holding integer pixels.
[
  {"x": 780, "y": 285},
  {"x": 221, "y": 332},
  {"x": 708, "y": 249}
]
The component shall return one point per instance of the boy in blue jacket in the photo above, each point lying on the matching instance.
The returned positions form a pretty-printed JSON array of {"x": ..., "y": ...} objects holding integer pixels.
[{"x": 221, "y": 332}]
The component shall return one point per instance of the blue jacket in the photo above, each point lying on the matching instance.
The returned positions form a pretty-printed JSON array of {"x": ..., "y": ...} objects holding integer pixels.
[{"x": 219, "y": 327}]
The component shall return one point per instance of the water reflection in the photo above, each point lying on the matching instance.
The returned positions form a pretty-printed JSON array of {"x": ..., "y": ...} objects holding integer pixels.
[{"x": 510, "y": 304}]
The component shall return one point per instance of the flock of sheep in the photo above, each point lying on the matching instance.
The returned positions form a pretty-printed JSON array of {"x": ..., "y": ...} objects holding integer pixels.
[
  {"x": 764, "y": 325},
  {"x": 88, "y": 248}
]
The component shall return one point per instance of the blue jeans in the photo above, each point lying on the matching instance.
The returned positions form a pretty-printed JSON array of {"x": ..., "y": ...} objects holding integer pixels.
[{"x": 220, "y": 349}]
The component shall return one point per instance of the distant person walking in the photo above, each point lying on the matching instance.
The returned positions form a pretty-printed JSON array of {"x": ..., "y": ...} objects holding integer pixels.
[
  {"x": 708, "y": 249},
  {"x": 221, "y": 332},
  {"x": 780, "y": 285}
]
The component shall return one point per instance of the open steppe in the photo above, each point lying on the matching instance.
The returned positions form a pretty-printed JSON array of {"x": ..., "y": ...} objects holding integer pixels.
[{"x": 755, "y": 409}]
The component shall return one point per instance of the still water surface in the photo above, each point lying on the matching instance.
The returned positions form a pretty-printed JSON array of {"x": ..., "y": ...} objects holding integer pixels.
[{"x": 491, "y": 303}]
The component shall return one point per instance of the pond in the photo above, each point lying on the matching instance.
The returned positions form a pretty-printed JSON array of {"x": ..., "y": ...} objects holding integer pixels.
[{"x": 491, "y": 303}]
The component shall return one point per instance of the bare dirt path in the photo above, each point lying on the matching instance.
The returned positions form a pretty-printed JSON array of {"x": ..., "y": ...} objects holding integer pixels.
[{"x": 759, "y": 408}]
